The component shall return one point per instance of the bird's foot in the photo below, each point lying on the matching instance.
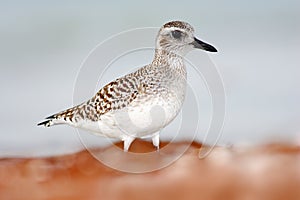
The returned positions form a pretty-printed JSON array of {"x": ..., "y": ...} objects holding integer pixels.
[
  {"x": 127, "y": 142},
  {"x": 155, "y": 140}
]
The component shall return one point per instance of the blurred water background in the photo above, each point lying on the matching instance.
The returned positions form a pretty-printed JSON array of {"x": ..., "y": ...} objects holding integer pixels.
[{"x": 44, "y": 43}]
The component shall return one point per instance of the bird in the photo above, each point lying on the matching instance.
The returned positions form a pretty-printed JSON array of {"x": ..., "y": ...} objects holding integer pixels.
[{"x": 140, "y": 104}]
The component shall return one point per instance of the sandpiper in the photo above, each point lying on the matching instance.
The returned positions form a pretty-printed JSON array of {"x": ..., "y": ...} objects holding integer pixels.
[{"x": 141, "y": 103}]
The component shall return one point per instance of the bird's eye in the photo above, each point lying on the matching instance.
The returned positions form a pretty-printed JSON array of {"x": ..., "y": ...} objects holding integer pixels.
[{"x": 176, "y": 34}]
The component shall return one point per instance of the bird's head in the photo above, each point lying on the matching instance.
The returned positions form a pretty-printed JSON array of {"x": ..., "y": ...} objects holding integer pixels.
[{"x": 178, "y": 37}]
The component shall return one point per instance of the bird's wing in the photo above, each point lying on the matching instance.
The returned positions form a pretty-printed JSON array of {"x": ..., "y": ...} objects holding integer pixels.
[
  {"x": 116, "y": 95},
  {"x": 113, "y": 96}
]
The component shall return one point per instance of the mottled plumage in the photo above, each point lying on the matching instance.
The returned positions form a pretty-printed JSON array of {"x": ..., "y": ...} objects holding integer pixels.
[{"x": 141, "y": 103}]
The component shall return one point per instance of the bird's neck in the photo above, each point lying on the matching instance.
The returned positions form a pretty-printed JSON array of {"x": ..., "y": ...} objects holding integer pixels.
[{"x": 163, "y": 58}]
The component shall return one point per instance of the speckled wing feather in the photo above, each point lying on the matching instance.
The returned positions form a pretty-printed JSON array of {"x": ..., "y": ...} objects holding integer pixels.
[{"x": 113, "y": 96}]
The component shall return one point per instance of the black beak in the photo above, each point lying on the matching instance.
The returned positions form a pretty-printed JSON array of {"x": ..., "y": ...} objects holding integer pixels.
[{"x": 202, "y": 45}]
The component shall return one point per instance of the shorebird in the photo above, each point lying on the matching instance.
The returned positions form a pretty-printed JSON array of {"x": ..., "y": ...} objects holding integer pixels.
[{"x": 141, "y": 103}]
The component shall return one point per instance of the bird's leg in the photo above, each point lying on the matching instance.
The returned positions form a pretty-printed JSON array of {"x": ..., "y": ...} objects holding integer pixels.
[
  {"x": 127, "y": 142},
  {"x": 155, "y": 140}
]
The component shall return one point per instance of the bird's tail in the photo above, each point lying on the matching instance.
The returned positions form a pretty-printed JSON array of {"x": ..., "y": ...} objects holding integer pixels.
[
  {"x": 49, "y": 121},
  {"x": 63, "y": 117},
  {"x": 45, "y": 123}
]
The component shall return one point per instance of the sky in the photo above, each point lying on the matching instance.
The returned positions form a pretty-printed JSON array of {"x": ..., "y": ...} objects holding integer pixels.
[{"x": 44, "y": 46}]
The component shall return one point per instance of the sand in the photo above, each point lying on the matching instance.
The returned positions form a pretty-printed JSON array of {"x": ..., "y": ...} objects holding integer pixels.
[{"x": 266, "y": 172}]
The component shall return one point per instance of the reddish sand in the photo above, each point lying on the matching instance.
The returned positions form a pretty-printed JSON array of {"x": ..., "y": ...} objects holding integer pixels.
[{"x": 264, "y": 172}]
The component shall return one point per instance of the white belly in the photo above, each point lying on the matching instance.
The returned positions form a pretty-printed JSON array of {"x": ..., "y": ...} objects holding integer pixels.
[{"x": 145, "y": 119}]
